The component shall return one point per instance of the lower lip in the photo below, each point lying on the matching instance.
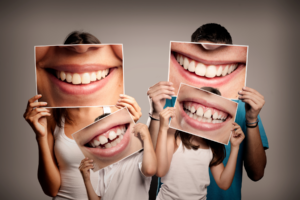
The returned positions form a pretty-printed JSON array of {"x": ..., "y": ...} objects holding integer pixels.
[
  {"x": 113, "y": 150},
  {"x": 202, "y": 126},
  {"x": 81, "y": 89},
  {"x": 204, "y": 81}
]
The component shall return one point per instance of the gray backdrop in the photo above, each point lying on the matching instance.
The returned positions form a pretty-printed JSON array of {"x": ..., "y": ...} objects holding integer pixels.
[{"x": 271, "y": 29}]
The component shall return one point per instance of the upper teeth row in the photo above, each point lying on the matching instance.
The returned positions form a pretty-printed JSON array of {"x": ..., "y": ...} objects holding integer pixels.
[
  {"x": 84, "y": 78},
  {"x": 102, "y": 140},
  {"x": 208, "y": 113},
  {"x": 203, "y": 119},
  {"x": 203, "y": 70}
]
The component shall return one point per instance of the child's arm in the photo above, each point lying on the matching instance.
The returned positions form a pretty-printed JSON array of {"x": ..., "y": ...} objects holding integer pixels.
[
  {"x": 149, "y": 164},
  {"x": 224, "y": 176},
  {"x": 84, "y": 167},
  {"x": 165, "y": 143}
]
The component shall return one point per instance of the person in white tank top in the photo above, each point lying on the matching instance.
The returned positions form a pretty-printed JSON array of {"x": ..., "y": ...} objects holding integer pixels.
[
  {"x": 183, "y": 161},
  {"x": 59, "y": 155}
]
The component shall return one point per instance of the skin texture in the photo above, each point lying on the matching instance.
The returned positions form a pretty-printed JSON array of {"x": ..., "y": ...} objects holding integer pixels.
[
  {"x": 219, "y": 55},
  {"x": 85, "y": 135},
  {"x": 149, "y": 163},
  {"x": 187, "y": 93},
  {"x": 80, "y": 58},
  {"x": 43, "y": 125},
  {"x": 166, "y": 147}
]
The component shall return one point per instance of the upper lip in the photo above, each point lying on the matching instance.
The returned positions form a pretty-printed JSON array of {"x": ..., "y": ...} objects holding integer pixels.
[
  {"x": 207, "y": 62},
  {"x": 75, "y": 68}
]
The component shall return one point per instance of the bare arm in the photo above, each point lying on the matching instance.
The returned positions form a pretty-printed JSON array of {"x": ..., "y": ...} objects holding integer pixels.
[
  {"x": 85, "y": 166},
  {"x": 165, "y": 143},
  {"x": 48, "y": 173},
  {"x": 157, "y": 95},
  {"x": 224, "y": 175},
  {"x": 149, "y": 164},
  {"x": 255, "y": 159}
]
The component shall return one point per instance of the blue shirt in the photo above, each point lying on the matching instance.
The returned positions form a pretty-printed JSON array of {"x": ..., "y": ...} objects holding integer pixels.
[{"x": 234, "y": 192}]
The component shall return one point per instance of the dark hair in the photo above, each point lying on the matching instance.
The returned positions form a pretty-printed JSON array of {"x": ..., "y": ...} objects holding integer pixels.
[
  {"x": 213, "y": 33},
  {"x": 75, "y": 37},
  {"x": 218, "y": 149}
]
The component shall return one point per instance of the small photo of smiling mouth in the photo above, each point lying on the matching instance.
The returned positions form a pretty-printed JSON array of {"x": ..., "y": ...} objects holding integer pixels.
[
  {"x": 110, "y": 142},
  {"x": 203, "y": 117},
  {"x": 205, "y": 70}
]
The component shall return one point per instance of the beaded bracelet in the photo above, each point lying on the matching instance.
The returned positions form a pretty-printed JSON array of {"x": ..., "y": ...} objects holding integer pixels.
[{"x": 153, "y": 117}]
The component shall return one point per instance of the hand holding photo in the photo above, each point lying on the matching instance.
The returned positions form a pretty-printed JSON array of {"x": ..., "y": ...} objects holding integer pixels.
[
  {"x": 220, "y": 66},
  {"x": 79, "y": 75},
  {"x": 109, "y": 139},
  {"x": 202, "y": 112}
]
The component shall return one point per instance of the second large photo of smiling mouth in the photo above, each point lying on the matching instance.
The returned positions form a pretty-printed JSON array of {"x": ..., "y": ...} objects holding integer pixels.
[
  {"x": 223, "y": 68},
  {"x": 79, "y": 75},
  {"x": 201, "y": 113},
  {"x": 109, "y": 140}
]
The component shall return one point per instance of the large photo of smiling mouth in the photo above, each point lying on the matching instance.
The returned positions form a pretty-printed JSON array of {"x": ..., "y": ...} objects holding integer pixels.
[
  {"x": 205, "y": 73},
  {"x": 110, "y": 142},
  {"x": 203, "y": 117}
]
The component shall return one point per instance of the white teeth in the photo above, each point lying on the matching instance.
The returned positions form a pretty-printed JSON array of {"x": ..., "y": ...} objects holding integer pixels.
[
  {"x": 108, "y": 145},
  {"x": 119, "y": 132},
  {"x": 62, "y": 76},
  {"x": 193, "y": 109},
  {"x": 199, "y": 119},
  {"x": 207, "y": 114},
  {"x": 112, "y": 135},
  {"x": 85, "y": 79},
  {"x": 121, "y": 137},
  {"x": 225, "y": 71},
  {"x": 192, "y": 67},
  {"x": 211, "y": 71},
  {"x": 181, "y": 60},
  {"x": 96, "y": 143},
  {"x": 69, "y": 77},
  {"x": 76, "y": 79},
  {"x": 200, "y": 69},
  {"x": 200, "y": 111},
  {"x": 118, "y": 140},
  {"x": 93, "y": 76},
  {"x": 103, "y": 139},
  {"x": 219, "y": 72},
  {"x": 99, "y": 75},
  {"x": 113, "y": 144},
  {"x": 195, "y": 116},
  {"x": 219, "y": 116},
  {"x": 209, "y": 120},
  {"x": 185, "y": 63},
  {"x": 215, "y": 116}
]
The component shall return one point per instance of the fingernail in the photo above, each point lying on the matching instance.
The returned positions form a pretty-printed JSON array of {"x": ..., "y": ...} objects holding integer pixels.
[
  {"x": 45, "y": 103},
  {"x": 40, "y": 95},
  {"x": 240, "y": 91},
  {"x": 121, "y": 95},
  {"x": 244, "y": 87}
]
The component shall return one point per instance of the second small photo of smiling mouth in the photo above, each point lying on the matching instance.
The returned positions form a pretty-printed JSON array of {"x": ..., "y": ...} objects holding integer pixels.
[
  {"x": 203, "y": 113},
  {"x": 109, "y": 139}
]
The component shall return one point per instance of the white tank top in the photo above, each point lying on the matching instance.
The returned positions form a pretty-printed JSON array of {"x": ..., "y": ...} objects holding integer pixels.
[
  {"x": 69, "y": 156},
  {"x": 188, "y": 176}
]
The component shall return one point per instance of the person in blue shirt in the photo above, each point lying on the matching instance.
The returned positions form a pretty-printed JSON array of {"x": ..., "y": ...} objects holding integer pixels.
[{"x": 252, "y": 150}]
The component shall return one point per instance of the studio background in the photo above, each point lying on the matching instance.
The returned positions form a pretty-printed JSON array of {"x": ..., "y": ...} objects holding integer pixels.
[{"x": 270, "y": 28}]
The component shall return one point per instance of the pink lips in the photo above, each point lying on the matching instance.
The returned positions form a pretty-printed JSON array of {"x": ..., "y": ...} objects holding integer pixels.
[
  {"x": 203, "y": 81},
  {"x": 81, "y": 89},
  {"x": 203, "y": 126},
  {"x": 113, "y": 150}
]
